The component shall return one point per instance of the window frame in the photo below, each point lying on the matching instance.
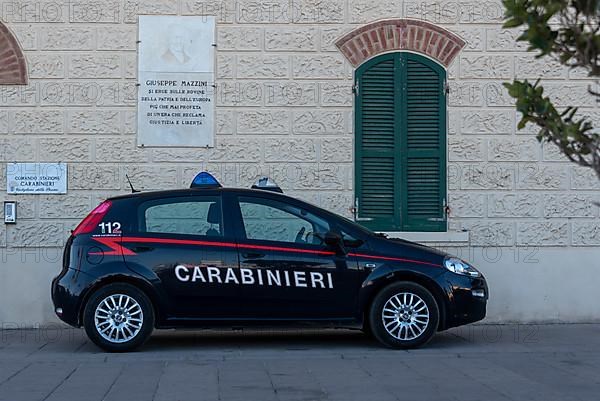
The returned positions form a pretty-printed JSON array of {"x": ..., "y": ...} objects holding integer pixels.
[{"x": 400, "y": 220}]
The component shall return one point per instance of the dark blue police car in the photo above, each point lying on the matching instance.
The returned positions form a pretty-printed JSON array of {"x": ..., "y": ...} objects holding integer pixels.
[{"x": 210, "y": 256}]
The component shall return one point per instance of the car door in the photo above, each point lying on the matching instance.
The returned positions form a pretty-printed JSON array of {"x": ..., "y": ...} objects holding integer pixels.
[
  {"x": 184, "y": 246},
  {"x": 294, "y": 274}
]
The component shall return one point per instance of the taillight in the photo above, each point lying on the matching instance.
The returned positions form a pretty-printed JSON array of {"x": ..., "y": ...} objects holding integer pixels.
[{"x": 88, "y": 224}]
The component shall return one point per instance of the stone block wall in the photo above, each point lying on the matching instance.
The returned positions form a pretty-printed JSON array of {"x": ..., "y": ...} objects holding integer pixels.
[{"x": 284, "y": 109}]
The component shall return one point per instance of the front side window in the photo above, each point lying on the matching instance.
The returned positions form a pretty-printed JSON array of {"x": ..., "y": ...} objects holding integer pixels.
[
  {"x": 199, "y": 216},
  {"x": 268, "y": 220}
]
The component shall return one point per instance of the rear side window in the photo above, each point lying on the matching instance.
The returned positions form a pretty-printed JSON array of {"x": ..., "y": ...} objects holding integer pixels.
[{"x": 190, "y": 216}]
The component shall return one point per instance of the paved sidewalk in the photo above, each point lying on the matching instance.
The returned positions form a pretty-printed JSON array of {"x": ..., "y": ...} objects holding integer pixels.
[{"x": 479, "y": 362}]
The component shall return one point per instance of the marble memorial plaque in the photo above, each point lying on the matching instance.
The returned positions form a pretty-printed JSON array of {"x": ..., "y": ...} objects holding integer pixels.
[{"x": 176, "y": 81}]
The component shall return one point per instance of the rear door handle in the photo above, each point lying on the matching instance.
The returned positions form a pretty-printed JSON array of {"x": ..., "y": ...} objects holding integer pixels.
[{"x": 253, "y": 255}]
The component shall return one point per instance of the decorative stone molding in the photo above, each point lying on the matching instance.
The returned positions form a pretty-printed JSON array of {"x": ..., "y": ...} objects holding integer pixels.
[
  {"x": 400, "y": 34},
  {"x": 13, "y": 68}
]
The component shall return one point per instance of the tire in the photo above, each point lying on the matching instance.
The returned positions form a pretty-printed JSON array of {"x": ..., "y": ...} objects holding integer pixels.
[
  {"x": 406, "y": 327},
  {"x": 118, "y": 317}
]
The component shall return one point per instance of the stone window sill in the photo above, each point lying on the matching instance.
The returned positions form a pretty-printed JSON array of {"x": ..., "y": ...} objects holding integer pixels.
[{"x": 439, "y": 237}]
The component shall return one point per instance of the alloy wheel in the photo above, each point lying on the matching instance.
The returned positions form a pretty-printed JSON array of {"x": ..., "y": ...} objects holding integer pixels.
[
  {"x": 405, "y": 316},
  {"x": 118, "y": 318}
]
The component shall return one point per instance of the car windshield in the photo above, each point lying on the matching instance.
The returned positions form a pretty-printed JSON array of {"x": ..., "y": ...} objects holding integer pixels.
[
  {"x": 355, "y": 225},
  {"x": 345, "y": 220}
]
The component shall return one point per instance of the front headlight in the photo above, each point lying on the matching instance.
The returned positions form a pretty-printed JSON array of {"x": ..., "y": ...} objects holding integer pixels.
[{"x": 459, "y": 266}]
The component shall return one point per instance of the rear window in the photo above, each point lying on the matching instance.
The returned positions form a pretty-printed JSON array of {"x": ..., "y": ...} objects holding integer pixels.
[{"x": 190, "y": 216}]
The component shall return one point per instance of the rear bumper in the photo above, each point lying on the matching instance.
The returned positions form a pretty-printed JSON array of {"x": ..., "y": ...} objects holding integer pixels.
[{"x": 67, "y": 295}]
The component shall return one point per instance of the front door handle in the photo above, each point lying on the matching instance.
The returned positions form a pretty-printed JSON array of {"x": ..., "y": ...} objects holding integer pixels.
[
  {"x": 140, "y": 249},
  {"x": 253, "y": 255}
]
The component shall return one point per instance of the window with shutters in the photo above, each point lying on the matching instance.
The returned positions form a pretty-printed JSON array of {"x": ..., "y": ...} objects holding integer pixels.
[{"x": 400, "y": 122}]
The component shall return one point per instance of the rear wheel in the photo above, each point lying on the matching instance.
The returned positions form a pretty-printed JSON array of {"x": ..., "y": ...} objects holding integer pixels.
[
  {"x": 118, "y": 317},
  {"x": 404, "y": 315}
]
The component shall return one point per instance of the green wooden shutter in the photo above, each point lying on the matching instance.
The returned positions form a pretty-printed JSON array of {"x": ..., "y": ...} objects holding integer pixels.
[
  {"x": 424, "y": 145},
  {"x": 376, "y": 145},
  {"x": 401, "y": 143}
]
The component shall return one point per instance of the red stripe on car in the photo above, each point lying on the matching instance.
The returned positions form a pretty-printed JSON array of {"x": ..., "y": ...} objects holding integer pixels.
[{"x": 116, "y": 248}]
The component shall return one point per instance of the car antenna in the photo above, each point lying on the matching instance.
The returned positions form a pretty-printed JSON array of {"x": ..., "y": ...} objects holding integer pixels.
[{"x": 133, "y": 190}]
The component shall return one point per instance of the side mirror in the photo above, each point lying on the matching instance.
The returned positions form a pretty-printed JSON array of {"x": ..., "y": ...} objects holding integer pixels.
[{"x": 334, "y": 241}]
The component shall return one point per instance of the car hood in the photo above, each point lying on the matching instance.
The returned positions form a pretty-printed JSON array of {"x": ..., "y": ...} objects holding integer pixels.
[{"x": 396, "y": 247}]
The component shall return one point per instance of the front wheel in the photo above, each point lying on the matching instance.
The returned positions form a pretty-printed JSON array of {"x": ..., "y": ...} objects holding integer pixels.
[
  {"x": 404, "y": 315},
  {"x": 118, "y": 317}
]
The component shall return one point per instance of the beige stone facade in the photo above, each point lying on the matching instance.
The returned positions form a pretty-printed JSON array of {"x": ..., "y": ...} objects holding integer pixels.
[{"x": 285, "y": 109}]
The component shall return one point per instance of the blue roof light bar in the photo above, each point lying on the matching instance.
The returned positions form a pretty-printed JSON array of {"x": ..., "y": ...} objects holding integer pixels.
[
  {"x": 205, "y": 180},
  {"x": 266, "y": 184}
]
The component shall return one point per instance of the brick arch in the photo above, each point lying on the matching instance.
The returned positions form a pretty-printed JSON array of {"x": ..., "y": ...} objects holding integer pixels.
[
  {"x": 400, "y": 34},
  {"x": 13, "y": 68}
]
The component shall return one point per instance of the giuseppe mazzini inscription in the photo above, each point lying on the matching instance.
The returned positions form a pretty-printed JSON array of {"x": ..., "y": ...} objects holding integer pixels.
[{"x": 176, "y": 78}]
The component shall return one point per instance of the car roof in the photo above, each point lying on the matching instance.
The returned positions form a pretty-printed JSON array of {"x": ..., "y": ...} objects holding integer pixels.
[{"x": 200, "y": 191}]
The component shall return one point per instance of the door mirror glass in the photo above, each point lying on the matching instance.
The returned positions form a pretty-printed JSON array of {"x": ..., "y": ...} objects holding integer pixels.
[
  {"x": 350, "y": 241},
  {"x": 334, "y": 241}
]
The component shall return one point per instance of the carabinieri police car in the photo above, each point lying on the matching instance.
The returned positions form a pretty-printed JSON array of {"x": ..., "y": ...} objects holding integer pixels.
[{"x": 209, "y": 256}]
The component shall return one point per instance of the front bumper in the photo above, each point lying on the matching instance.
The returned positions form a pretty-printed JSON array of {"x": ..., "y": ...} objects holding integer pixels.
[{"x": 467, "y": 298}]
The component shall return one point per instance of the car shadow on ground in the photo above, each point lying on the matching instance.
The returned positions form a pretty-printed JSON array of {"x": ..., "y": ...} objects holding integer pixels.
[{"x": 162, "y": 340}]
